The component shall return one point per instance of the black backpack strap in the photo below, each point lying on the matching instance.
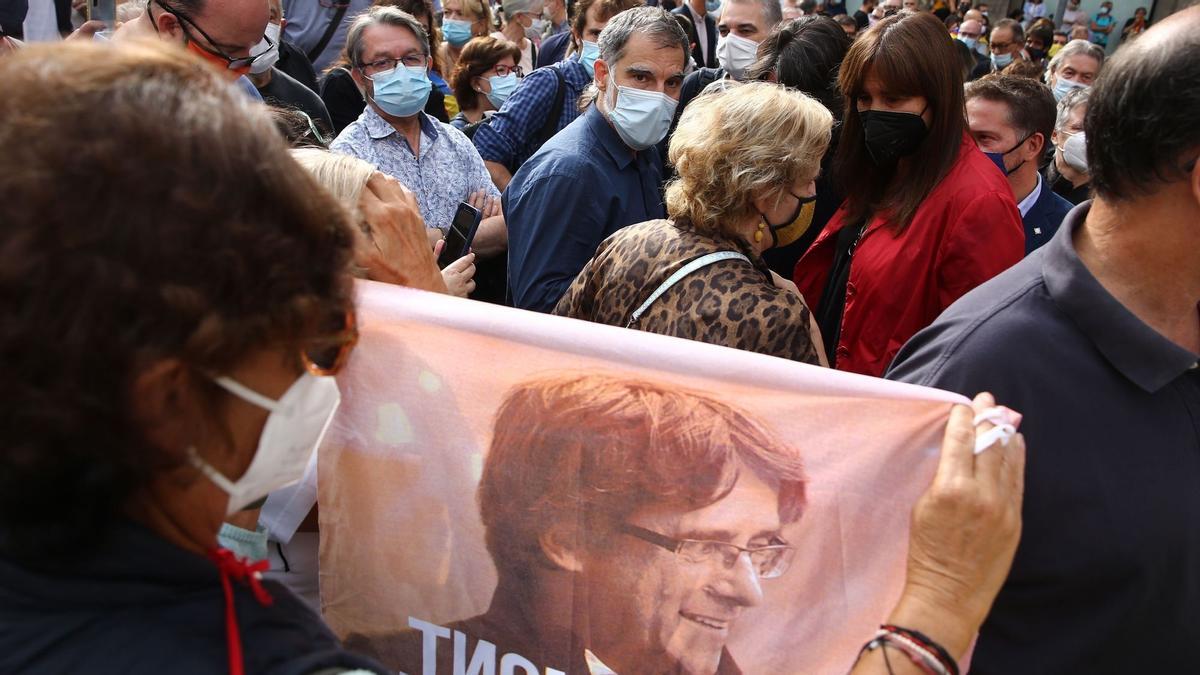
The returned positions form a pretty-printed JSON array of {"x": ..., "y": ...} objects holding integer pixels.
[
  {"x": 329, "y": 31},
  {"x": 550, "y": 127}
]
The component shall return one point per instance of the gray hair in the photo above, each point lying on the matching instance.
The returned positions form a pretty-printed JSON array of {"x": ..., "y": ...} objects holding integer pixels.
[
  {"x": 1074, "y": 98},
  {"x": 381, "y": 15},
  {"x": 1075, "y": 48},
  {"x": 772, "y": 11},
  {"x": 653, "y": 22}
]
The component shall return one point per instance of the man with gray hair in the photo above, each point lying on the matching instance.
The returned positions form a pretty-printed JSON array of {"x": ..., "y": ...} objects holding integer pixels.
[
  {"x": 1067, "y": 172},
  {"x": 1075, "y": 66},
  {"x": 389, "y": 57},
  {"x": 601, "y": 173}
]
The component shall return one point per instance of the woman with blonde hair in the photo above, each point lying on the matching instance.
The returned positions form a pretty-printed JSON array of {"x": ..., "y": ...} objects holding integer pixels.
[
  {"x": 461, "y": 21},
  {"x": 359, "y": 186},
  {"x": 746, "y": 161}
]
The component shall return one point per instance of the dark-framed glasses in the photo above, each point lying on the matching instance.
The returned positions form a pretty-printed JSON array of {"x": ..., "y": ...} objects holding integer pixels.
[
  {"x": 768, "y": 561},
  {"x": 385, "y": 64},
  {"x": 236, "y": 63}
]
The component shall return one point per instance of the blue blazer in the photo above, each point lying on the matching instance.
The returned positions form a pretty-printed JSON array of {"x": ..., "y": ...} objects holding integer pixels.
[
  {"x": 1043, "y": 219},
  {"x": 553, "y": 50}
]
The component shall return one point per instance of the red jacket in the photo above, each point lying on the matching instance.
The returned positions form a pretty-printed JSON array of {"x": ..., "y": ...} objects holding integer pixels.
[{"x": 966, "y": 231}]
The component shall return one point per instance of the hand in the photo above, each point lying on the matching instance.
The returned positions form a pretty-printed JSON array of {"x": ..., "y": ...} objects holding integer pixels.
[
  {"x": 399, "y": 252},
  {"x": 460, "y": 275},
  {"x": 87, "y": 31},
  {"x": 965, "y": 530},
  {"x": 488, "y": 206}
]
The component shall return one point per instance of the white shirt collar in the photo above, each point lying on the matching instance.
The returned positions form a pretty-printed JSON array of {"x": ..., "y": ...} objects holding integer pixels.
[{"x": 1032, "y": 197}]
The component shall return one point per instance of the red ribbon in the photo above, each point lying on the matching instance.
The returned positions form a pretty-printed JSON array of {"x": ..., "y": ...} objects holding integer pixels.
[{"x": 240, "y": 569}]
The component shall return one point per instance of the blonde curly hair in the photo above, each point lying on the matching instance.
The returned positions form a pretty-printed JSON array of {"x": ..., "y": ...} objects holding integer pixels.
[{"x": 742, "y": 142}]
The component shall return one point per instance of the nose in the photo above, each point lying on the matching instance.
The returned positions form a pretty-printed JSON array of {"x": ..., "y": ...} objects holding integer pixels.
[{"x": 740, "y": 584}]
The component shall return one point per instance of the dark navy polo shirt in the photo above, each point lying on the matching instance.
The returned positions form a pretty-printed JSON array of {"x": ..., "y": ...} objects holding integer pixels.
[
  {"x": 1107, "y": 575},
  {"x": 581, "y": 186}
]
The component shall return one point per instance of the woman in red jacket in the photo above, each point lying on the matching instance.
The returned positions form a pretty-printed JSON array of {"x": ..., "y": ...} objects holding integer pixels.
[{"x": 927, "y": 216}]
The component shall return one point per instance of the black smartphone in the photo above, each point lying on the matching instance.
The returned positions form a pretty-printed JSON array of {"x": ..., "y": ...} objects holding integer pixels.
[
  {"x": 460, "y": 235},
  {"x": 103, "y": 10}
]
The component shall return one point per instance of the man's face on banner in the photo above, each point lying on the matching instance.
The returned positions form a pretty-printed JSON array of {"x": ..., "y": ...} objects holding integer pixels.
[{"x": 648, "y": 608}]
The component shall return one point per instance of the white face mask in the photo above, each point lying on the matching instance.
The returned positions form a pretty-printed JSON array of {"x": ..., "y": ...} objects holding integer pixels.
[
  {"x": 1074, "y": 152},
  {"x": 736, "y": 54},
  {"x": 641, "y": 118},
  {"x": 293, "y": 431},
  {"x": 269, "y": 54}
]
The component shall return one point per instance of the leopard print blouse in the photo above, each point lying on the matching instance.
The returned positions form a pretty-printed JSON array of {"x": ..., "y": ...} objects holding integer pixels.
[{"x": 731, "y": 303}]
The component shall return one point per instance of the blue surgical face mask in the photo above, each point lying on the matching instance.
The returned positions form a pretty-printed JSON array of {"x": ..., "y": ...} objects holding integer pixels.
[
  {"x": 456, "y": 31},
  {"x": 998, "y": 157},
  {"x": 1063, "y": 86},
  {"x": 712, "y": 6},
  {"x": 971, "y": 43},
  {"x": 502, "y": 88},
  {"x": 1001, "y": 61},
  {"x": 641, "y": 118},
  {"x": 402, "y": 91},
  {"x": 588, "y": 56}
]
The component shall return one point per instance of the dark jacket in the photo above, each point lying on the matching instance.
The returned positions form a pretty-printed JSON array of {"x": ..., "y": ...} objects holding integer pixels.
[
  {"x": 711, "y": 25},
  {"x": 139, "y": 604},
  {"x": 1064, "y": 188},
  {"x": 553, "y": 50},
  {"x": 1043, "y": 219}
]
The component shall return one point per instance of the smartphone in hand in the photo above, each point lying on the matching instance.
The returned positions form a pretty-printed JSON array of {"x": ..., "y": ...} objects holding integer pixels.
[
  {"x": 460, "y": 235},
  {"x": 103, "y": 10}
]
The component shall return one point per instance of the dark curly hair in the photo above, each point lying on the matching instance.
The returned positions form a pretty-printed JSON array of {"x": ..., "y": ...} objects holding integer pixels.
[
  {"x": 805, "y": 54},
  {"x": 150, "y": 212}
]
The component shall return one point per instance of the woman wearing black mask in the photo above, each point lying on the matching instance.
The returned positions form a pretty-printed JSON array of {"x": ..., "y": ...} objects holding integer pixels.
[
  {"x": 927, "y": 217},
  {"x": 746, "y": 159}
]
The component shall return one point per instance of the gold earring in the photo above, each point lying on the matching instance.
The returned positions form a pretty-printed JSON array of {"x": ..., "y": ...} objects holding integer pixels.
[{"x": 759, "y": 234}]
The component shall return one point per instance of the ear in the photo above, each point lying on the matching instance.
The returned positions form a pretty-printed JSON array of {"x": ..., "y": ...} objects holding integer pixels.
[
  {"x": 560, "y": 544},
  {"x": 1037, "y": 145},
  {"x": 165, "y": 405},
  {"x": 359, "y": 80},
  {"x": 601, "y": 72},
  {"x": 168, "y": 25}
]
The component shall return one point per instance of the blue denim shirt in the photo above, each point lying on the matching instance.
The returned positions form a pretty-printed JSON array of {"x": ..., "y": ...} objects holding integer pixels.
[
  {"x": 583, "y": 185},
  {"x": 447, "y": 171}
]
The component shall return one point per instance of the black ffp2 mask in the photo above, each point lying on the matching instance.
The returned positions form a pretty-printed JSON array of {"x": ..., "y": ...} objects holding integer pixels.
[{"x": 891, "y": 135}]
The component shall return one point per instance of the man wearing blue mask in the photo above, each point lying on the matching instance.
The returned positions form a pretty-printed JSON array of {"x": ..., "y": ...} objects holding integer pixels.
[
  {"x": 1006, "y": 44},
  {"x": 602, "y": 172},
  {"x": 548, "y": 98},
  {"x": 389, "y": 58},
  {"x": 1011, "y": 119},
  {"x": 703, "y": 16}
]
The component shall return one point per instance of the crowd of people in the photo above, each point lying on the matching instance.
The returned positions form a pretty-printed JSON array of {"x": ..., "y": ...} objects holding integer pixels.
[{"x": 911, "y": 190}]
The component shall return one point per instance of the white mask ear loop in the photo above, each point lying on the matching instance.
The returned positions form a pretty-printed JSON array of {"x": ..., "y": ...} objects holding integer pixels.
[
  {"x": 247, "y": 394},
  {"x": 1003, "y": 431},
  {"x": 208, "y": 471}
]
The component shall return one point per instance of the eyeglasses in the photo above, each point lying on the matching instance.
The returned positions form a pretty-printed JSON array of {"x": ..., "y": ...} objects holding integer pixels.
[
  {"x": 385, "y": 64},
  {"x": 768, "y": 561},
  {"x": 1000, "y": 46},
  {"x": 328, "y": 355},
  {"x": 503, "y": 71},
  {"x": 240, "y": 63}
]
